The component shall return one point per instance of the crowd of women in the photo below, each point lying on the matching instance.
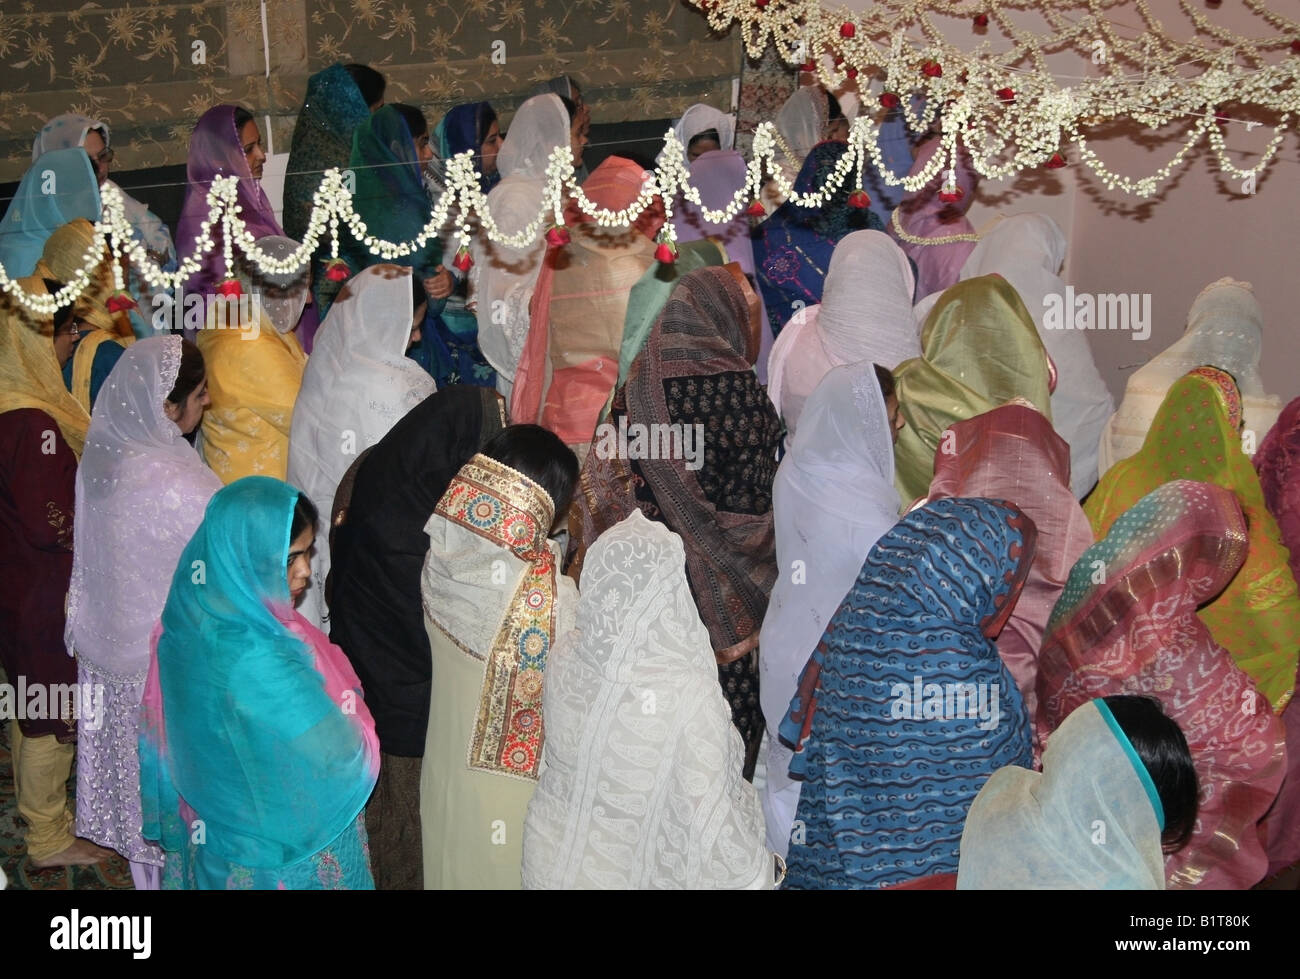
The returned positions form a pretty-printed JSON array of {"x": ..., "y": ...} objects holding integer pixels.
[{"x": 358, "y": 595}]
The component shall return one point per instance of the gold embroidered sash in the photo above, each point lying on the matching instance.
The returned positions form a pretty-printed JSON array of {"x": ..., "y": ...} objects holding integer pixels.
[{"x": 509, "y": 509}]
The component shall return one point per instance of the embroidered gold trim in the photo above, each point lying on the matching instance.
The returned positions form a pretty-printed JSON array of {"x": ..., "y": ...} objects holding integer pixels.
[{"x": 914, "y": 240}]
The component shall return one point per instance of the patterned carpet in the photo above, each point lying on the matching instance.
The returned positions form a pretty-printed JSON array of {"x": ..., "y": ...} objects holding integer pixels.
[{"x": 111, "y": 875}]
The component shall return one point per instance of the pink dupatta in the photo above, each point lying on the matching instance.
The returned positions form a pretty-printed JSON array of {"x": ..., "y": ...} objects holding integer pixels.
[{"x": 1126, "y": 624}]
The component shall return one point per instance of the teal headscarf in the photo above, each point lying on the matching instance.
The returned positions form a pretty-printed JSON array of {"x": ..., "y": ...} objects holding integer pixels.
[
  {"x": 252, "y": 740},
  {"x": 56, "y": 189},
  {"x": 390, "y": 194}
]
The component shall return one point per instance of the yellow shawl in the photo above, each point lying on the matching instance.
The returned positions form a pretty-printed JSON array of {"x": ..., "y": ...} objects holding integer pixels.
[
  {"x": 253, "y": 379},
  {"x": 29, "y": 371},
  {"x": 1195, "y": 436}
]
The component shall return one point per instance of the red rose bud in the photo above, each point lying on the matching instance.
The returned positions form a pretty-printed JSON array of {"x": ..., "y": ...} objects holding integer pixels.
[
  {"x": 859, "y": 199},
  {"x": 808, "y": 66},
  {"x": 981, "y": 20},
  {"x": 1006, "y": 94},
  {"x": 230, "y": 288},
  {"x": 338, "y": 271},
  {"x": 1056, "y": 161},
  {"x": 851, "y": 72},
  {"x": 889, "y": 100},
  {"x": 756, "y": 209},
  {"x": 558, "y": 236},
  {"x": 462, "y": 261},
  {"x": 848, "y": 29},
  {"x": 1295, "y": 47},
  {"x": 665, "y": 254},
  {"x": 951, "y": 196},
  {"x": 932, "y": 69},
  {"x": 1220, "y": 118},
  {"x": 120, "y": 302},
  {"x": 760, "y": 4},
  {"x": 839, "y": 60}
]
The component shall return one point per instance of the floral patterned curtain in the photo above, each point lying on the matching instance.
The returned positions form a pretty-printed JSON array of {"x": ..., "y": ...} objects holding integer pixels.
[{"x": 149, "y": 68}]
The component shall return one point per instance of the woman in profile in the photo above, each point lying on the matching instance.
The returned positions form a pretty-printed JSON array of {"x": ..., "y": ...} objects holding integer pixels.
[{"x": 257, "y": 751}]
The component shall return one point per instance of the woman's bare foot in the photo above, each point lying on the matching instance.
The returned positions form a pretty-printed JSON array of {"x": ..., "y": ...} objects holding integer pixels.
[{"x": 82, "y": 853}]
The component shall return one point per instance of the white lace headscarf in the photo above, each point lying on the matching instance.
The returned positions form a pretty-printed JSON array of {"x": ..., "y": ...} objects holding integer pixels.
[
  {"x": 141, "y": 492},
  {"x": 1225, "y": 329},
  {"x": 503, "y": 277},
  {"x": 641, "y": 786},
  {"x": 832, "y": 499},
  {"x": 357, "y": 385}
]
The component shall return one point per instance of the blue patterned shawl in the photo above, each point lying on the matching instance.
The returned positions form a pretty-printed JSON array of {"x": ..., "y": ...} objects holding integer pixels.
[{"x": 892, "y": 751}]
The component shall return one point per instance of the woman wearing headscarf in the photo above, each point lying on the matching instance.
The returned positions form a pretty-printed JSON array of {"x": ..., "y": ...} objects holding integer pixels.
[
  {"x": 503, "y": 277},
  {"x": 933, "y": 232},
  {"x": 357, "y": 385},
  {"x": 568, "y": 368},
  {"x": 1127, "y": 623},
  {"x": 832, "y": 499},
  {"x": 1225, "y": 329},
  {"x": 714, "y": 485},
  {"x": 623, "y": 804},
  {"x": 792, "y": 248},
  {"x": 257, "y": 751},
  {"x": 390, "y": 195},
  {"x": 141, "y": 492},
  {"x": 1027, "y": 250},
  {"x": 865, "y": 314},
  {"x": 255, "y": 370},
  {"x": 955, "y": 377},
  {"x": 801, "y": 122},
  {"x": 226, "y": 143},
  {"x": 905, "y": 709},
  {"x": 60, "y": 189},
  {"x": 1031, "y": 830},
  {"x": 42, "y": 431},
  {"x": 375, "y": 612},
  {"x": 717, "y": 171},
  {"x": 1195, "y": 435},
  {"x": 322, "y": 139},
  {"x": 494, "y": 603},
  {"x": 71, "y": 130},
  {"x": 470, "y": 127},
  {"x": 1012, "y": 454},
  {"x": 103, "y": 335}
]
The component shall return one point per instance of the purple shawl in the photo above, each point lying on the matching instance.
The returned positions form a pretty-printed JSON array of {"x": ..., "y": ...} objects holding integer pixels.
[
  {"x": 923, "y": 215},
  {"x": 215, "y": 151}
]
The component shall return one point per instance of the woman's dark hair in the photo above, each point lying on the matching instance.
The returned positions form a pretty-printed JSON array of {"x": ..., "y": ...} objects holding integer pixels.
[
  {"x": 370, "y": 83},
  {"x": 242, "y": 117},
  {"x": 1160, "y": 744},
  {"x": 304, "y": 516},
  {"x": 886, "y": 379},
  {"x": 486, "y": 116},
  {"x": 710, "y": 134},
  {"x": 570, "y": 106},
  {"x": 833, "y": 111},
  {"x": 190, "y": 375},
  {"x": 414, "y": 118},
  {"x": 63, "y": 314},
  {"x": 539, "y": 454},
  {"x": 418, "y": 295}
]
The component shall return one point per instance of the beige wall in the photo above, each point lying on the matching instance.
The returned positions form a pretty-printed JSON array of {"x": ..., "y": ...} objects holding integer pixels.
[{"x": 1198, "y": 229}]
